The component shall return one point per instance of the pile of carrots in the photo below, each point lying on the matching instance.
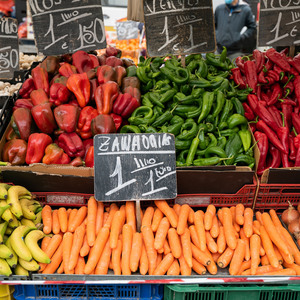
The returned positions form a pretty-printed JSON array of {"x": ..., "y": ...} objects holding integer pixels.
[{"x": 173, "y": 241}]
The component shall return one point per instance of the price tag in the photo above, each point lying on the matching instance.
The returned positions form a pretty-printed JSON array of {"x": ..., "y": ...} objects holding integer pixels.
[
  {"x": 135, "y": 167},
  {"x": 279, "y": 23},
  {"x": 127, "y": 30},
  {"x": 9, "y": 48},
  {"x": 67, "y": 26},
  {"x": 179, "y": 27}
]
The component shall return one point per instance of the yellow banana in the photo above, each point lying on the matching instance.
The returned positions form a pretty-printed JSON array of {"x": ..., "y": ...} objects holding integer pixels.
[
  {"x": 19, "y": 270},
  {"x": 13, "y": 195},
  {"x": 28, "y": 213},
  {"x": 3, "y": 227},
  {"x": 14, "y": 260},
  {"x": 8, "y": 231},
  {"x": 31, "y": 241},
  {"x": 27, "y": 222},
  {"x": 7, "y": 215},
  {"x": 38, "y": 218},
  {"x": 5, "y": 252},
  {"x": 4, "y": 268},
  {"x": 29, "y": 265},
  {"x": 14, "y": 223},
  {"x": 3, "y": 190},
  {"x": 3, "y": 209},
  {"x": 17, "y": 243}
]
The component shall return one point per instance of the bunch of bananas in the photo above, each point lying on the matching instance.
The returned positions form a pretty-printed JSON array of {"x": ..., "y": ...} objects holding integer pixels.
[{"x": 19, "y": 233}]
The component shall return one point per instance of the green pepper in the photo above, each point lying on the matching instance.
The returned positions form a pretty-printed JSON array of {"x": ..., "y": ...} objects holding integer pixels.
[
  {"x": 178, "y": 75},
  {"x": 195, "y": 113},
  {"x": 208, "y": 99},
  {"x": 157, "y": 111},
  {"x": 162, "y": 119},
  {"x": 220, "y": 103},
  {"x": 213, "y": 140},
  {"x": 210, "y": 127},
  {"x": 197, "y": 93},
  {"x": 181, "y": 110},
  {"x": 193, "y": 149},
  {"x": 186, "y": 89},
  {"x": 215, "y": 61},
  {"x": 182, "y": 156},
  {"x": 236, "y": 120},
  {"x": 146, "y": 88},
  {"x": 146, "y": 101},
  {"x": 131, "y": 71},
  {"x": 155, "y": 99},
  {"x": 209, "y": 119},
  {"x": 182, "y": 145},
  {"x": 226, "y": 111},
  {"x": 211, "y": 161},
  {"x": 188, "y": 131},
  {"x": 142, "y": 74},
  {"x": 180, "y": 164},
  {"x": 216, "y": 82},
  {"x": 222, "y": 125},
  {"x": 202, "y": 143},
  {"x": 232, "y": 147},
  {"x": 223, "y": 55},
  {"x": 203, "y": 70},
  {"x": 221, "y": 142},
  {"x": 192, "y": 57},
  {"x": 168, "y": 95},
  {"x": 142, "y": 115},
  {"x": 162, "y": 85},
  {"x": 216, "y": 121},
  {"x": 215, "y": 151},
  {"x": 238, "y": 106},
  {"x": 156, "y": 63},
  {"x": 224, "y": 86},
  {"x": 150, "y": 129},
  {"x": 229, "y": 132},
  {"x": 164, "y": 129},
  {"x": 244, "y": 160},
  {"x": 176, "y": 120},
  {"x": 193, "y": 65},
  {"x": 174, "y": 128},
  {"x": 246, "y": 138},
  {"x": 172, "y": 64},
  {"x": 130, "y": 128},
  {"x": 183, "y": 99},
  {"x": 200, "y": 83}
]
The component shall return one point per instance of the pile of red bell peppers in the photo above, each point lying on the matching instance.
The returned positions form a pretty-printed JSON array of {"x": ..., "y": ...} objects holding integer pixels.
[
  {"x": 66, "y": 101},
  {"x": 273, "y": 105}
]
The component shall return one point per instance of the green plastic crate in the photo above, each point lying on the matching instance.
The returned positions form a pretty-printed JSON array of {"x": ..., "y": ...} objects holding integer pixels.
[{"x": 232, "y": 292}]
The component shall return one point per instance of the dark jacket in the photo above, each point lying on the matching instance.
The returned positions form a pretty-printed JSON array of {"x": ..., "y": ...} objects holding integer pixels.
[{"x": 229, "y": 24}]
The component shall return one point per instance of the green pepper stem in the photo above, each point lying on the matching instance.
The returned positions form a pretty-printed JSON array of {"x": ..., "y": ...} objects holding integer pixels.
[
  {"x": 282, "y": 118},
  {"x": 173, "y": 108},
  {"x": 295, "y": 132}
]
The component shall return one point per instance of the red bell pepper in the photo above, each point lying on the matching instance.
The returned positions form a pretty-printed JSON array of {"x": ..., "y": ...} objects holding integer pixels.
[
  {"x": 263, "y": 146},
  {"x": 77, "y": 162},
  {"x": 43, "y": 117},
  {"x": 114, "y": 61},
  {"x": 134, "y": 92},
  {"x": 21, "y": 122},
  {"x": 10, "y": 134},
  {"x": 40, "y": 79},
  {"x": 94, "y": 85},
  {"x": 259, "y": 59},
  {"x": 89, "y": 158},
  {"x": 275, "y": 158},
  {"x": 102, "y": 59},
  {"x": 55, "y": 155},
  {"x": 125, "y": 105},
  {"x": 38, "y": 96},
  {"x": 27, "y": 88},
  {"x": 80, "y": 85},
  {"x": 117, "y": 120},
  {"x": 14, "y": 152},
  {"x": 121, "y": 73},
  {"x": 82, "y": 61},
  {"x": 296, "y": 122},
  {"x": 95, "y": 60},
  {"x": 66, "y": 116},
  {"x": 92, "y": 74},
  {"x": 238, "y": 78},
  {"x": 59, "y": 94},
  {"x": 283, "y": 134},
  {"x": 103, "y": 124},
  {"x": 105, "y": 96},
  {"x": 72, "y": 144},
  {"x": 248, "y": 112},
  {"x": 87, "y": 144},
  {"x": 50, "y": 64},
  {"x": 251, "y": 75},
  {"x": 86, "y": 116},
  {"x": 37, "y": 144},
  {"x": 112, "y": 51},
  {"x": 106, "y": 73},
  {"x": 278, "y": 59},
  {"x": 276, "y": 94},
  {"x": 62, "y": 80},
  {"x": 25, "y": 103},
  {"x": 67, "y": 70},
  {"x": 131, "y": 81}
]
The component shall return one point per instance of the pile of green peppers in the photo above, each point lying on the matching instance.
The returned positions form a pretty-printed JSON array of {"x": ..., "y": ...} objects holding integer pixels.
[{"x": 199, "y": 105}]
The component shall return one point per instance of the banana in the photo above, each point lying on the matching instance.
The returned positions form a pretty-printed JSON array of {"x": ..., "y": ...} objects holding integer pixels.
[
  {"x": 14, "y": 223},
  {"x": 27, "y": 222},
  {"x": 13, "y": 195},
  {"x": 38, "y": 218},
  {"x": 3, "y": 209},
  {"x": 3, "y": 190},
  {"x": 7, "y": 215},
  {"x": 8, "y": 231},
  {"x": 4, "y": 268},
  {"x": 28, "y": 213},
  {"x": 29, "y": 265},
  {"x": 19, "y": 270},
  {"x": 3, "y": 227},
  {"x": 5, "y": 252},
  {"x": 17, "y": 243},
  {"x": 31, "y": 241},
  {"x": 14, "y": 260}
]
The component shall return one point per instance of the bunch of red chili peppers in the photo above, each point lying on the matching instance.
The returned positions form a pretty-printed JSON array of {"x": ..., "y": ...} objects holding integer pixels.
[
  {"x": 66, "y": 101},
  {"x": 273, "y": 106}
]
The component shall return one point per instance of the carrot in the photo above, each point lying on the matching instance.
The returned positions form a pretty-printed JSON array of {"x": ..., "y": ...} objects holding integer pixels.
[
  {"x": 225, "y": 259},
  {"x": 60, "y": 270},
  {"x": 199, "y": 225},
  {"x": 198, "y": 268},
  {"x": 76, "y": 246},
  {"x": 148, "y": 239},
  {"x": 208, "y": 216},
  {"x": 147, "y": 219},
  {"x": 127, "y": 234},
  {"x": 182, "y": 218},
  {"x": 63, "y": 219},
  {"x": 221, "y": 241},
  {"x": 157, "y": 217},
  {"x": 85, "y": 249},
  {"x": 69, "y": 212},
  {"x": 236, "y": 226},
  {"x": 194, "y": 236},
  {"x": 113, "y": 209},
  {"x": 79, "y": 269},
  {"x": 274, "y": 217},
  {"x": 268, "y": 246},
  {"x": 174, "y": 242},
  {"x": 80, "y": 216},
  {"x": 103, "y": 263},
  {"x": 200, "y": 256},
  {"x": 288, "y": 271},
  {"x": 239, "y": 214},
  {"x": 186, "y": 247},
  {"x": 191, "y": 216},
  {"x": 248, "y": 222},
  {"x": 116, "y": 258},
  {"x": 99, "y": 217},
  {"x": 292, "y": 266},
  {"x": 91, "y": 221},
  {"x": 220, "y": 215},
  {"x": 67, "y": 246},
  {"x": 278, "y": 254},
  {"x": 130, "y": 214},
  {"x": 276, "y": 239},
  {"x": 264, "y": 260},
  {"x": 263, "y": 270},
  {"x": 105, "y": 218},
  {"x": 159, "y": 259},
  {"x": 177, "y": 208},
  {"x": 256, "y": 227},
  {"x": 212, "y": 267},
  {"x": 254, "y": 252},
  {"x": 167, "y": 211},
  {"x": 185, "y": 270},
  {"x": 55, "y": 261},
  {"x": 262, "y": 251},
  {"x": 47, "y": 219},
  {"x": 96, "y": 250},
  {"x": 144, "y": 264},
  {"x": 161, "y": 233},
  {"x": 71, "y": 218},
  {"x": 211, "y": 244},
  {"x": 55, "y": 222},
  {"x": 174, "y": 268},
  {"x": 245, "y": 265},
  {"x": 238, "y": 256},
  {"x": 216, "y": 256},
  {"x": 230, "y": 237},
  {"x": 116, "y": 227},
  {"x": 161, "y": 250},
  {"x": 167, "y": 248},
  {"x": 259, "y": 218},
  {"x": 214, "y": 231},
  {"x": 45, "y": 242},
  {"x": 136, "y": 251},
  {"x": 247, "y": 244}
]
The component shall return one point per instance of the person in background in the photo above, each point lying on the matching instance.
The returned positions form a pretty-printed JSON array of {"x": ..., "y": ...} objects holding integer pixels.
[{"x": 230, "y": 19}]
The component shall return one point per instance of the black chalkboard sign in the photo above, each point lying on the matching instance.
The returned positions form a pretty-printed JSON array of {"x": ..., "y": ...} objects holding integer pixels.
[
  {"x": 66, "y": 26},
  {"x": 134, "y": 167},
  {"x": 179, "y": 27},
  {"x": 9, "y": 48},
  {"x": 279, "y": 23},
  {"x": 127, "y": 30}
]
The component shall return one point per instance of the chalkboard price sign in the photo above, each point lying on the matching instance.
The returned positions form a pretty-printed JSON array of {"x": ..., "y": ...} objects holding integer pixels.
[
  {"x": 134, "y": 167},
  {"x": 127, "y": 30},
  {"x": 66, "y": 26},
  {"x": 279, "y": 23},
  {"x": 9, "y": 48},
  {"x": 179, "y": 27}
]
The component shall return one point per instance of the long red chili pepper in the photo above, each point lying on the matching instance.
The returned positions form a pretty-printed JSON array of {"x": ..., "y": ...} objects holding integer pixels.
[
  {"x": 249, "y": 114},
  {"x": 259, "y": 59},
  {"x": 276, "y": 94},
  {"x": 264, "y": 115},
  {"x": 275, "y": 160},
  {"x": 251, "y": 75},
  {"x": 279, "y": 59},
  {"x": 283, "y": 134},
  {"x": 276, "y": 114},
  {"x": 296, "y": 83},
  {"x": 293, "y": 150},
  {"x": 296, "y": 122},
  {"x": 297, "y": 161},
  {"x": 263, "y": 146}
]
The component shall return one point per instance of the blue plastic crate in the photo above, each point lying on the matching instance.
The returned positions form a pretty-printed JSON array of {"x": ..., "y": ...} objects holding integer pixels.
[{"x": 91, "y": 292}]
